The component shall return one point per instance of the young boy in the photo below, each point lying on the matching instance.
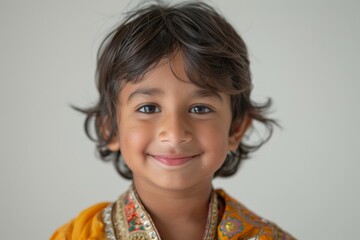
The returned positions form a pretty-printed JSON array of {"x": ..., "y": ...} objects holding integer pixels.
[{"x": 174, "y": 84}]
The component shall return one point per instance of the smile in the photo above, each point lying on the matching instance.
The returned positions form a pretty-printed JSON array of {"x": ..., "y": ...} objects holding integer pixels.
[{"x": 173, "y": 160}]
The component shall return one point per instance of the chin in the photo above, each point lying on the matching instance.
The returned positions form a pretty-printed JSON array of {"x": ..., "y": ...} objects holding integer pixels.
[{"x": 182, "y": 183}]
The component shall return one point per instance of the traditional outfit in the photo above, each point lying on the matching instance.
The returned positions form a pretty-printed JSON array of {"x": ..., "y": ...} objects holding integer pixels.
[{"x": 127, "y": 219}]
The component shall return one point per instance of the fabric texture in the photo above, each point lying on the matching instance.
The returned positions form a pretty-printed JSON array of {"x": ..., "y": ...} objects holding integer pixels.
[
  {"x": 88, "y": 225},
  {"x": 236, "y": 222}
]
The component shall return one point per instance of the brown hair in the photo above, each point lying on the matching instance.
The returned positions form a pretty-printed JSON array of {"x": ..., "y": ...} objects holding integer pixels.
[{"x": 215, "y": 57}]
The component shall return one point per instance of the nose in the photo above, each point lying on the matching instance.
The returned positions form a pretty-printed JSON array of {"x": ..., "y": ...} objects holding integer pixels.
[{"x": 175, "y": 129}]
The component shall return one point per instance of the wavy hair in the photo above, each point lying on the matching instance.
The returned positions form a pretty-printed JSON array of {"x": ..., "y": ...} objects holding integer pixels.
[{"x": 215, "y": 55}]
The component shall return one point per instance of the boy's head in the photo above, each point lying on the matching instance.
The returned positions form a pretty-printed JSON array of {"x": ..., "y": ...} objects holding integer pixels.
[{"x": 215, "y": 59}]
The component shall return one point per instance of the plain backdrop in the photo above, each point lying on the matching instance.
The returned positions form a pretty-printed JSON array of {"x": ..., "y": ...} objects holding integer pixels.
[{"x": 305, "y": 55}]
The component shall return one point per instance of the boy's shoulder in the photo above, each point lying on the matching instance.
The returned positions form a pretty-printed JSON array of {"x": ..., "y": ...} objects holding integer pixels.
[
  {"x": 87, "y": 225},
  {"x": 238, "y": 222}
]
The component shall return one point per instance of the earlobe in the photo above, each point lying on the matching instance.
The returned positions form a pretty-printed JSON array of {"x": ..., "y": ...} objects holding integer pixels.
[
  {"x": 237, "y": 133},
  {"x": 114, "y": 145}
]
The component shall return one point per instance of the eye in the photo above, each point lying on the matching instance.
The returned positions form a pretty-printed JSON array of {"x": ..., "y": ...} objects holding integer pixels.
[
  {"x": 148, "y": 109},
  {"x": 200, "y": 109}
]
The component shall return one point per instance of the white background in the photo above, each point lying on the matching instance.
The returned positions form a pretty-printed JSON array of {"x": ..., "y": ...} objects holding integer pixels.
[{"x": 305, "y": 55}]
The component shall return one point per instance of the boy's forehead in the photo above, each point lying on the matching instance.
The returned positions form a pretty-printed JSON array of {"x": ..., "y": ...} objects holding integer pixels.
[{"x": 170, "y": 71}]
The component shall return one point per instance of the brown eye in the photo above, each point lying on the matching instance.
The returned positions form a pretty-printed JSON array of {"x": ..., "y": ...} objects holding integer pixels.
[
  {"x": 200, "y": 109},
  {"x": 148, "y": 109}
]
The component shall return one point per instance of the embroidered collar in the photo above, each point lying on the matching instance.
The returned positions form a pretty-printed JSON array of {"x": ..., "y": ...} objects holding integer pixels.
[{"x": 127, "y": 219}]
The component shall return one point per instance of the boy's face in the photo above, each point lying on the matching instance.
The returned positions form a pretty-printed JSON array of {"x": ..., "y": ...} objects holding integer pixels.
[{"x": 171, "y": 133}]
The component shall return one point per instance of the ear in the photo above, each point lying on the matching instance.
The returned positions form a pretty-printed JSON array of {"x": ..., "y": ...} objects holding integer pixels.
[
  {"x": 237, "y": 133},
  {"x": 114, "y": 144}
]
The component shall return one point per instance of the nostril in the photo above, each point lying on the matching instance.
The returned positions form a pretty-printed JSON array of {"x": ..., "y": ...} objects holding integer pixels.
[
  {"x": 175, "y": 135},
  {"x": 175, "y": 138}
]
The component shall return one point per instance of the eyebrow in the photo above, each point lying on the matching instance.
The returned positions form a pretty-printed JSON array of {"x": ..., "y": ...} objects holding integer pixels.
[
  {"x": 199, "y": 93},
  {"x": 145, "y": 91},
  {"x": 204, "y": 93}
]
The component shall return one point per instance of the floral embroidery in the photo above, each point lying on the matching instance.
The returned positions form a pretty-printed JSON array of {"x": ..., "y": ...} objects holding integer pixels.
[
  {"x": 134, "y": 221},
  {"x": 230, "y": 227}
]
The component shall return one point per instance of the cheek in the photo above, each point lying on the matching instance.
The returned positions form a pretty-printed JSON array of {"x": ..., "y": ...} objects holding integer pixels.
[
  {"x": 133, "y": 137},
  {"x": 214, "y": 138}
]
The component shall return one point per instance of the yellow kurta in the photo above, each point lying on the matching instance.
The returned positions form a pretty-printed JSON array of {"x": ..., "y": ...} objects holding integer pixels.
[
  {"x": 237, "y": 222},
  {"x": 87, "y": 226}
]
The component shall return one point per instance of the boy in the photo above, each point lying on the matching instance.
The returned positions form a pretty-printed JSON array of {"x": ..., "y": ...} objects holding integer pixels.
[{"x": 174, "y": 84}]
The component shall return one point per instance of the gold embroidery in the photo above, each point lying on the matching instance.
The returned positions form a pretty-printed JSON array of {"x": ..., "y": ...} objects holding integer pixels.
[
  {"x": 130, "y": 221},
  {"x": 230, "y": 226}
]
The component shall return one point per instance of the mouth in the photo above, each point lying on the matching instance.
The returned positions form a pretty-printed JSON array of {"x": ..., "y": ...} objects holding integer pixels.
[{"x": 173, "y": 160}]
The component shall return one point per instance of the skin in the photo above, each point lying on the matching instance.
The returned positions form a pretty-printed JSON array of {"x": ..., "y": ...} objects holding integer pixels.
[{"x": 174, "y": 136}]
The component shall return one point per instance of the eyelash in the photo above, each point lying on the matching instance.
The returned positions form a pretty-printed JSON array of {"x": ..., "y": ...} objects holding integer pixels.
[
  {"x": 203, "y": 107},
  {"x": 147, "y": 106},
  {"x": 151, "y": 108}
]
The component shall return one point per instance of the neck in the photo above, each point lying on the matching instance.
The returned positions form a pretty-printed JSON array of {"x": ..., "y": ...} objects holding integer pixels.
[
  {"x": 180, "y": 203},
  {"x": 175, "y": 209}
]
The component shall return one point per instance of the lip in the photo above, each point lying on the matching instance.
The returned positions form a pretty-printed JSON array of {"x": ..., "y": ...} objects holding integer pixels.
[{"x": 173, "y": 160}]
